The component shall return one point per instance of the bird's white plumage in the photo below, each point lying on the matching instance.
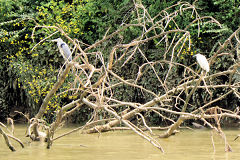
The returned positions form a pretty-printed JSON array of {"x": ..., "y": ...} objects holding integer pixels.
[
  {"x": 64, "y": 49},
  {"x": 202, "y": 61}
]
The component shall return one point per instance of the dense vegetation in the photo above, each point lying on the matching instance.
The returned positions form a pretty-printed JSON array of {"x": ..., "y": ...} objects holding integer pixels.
[{"x": 29, "y": 72}]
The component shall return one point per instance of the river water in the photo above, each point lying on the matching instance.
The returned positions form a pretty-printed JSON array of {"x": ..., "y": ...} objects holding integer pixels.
[{"x": 123, "y": 145}]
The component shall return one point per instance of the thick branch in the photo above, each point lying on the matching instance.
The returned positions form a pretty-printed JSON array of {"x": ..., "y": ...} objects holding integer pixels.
[
  {"x": 56, "y": 86},
  {"x": 8, "y": 143}
]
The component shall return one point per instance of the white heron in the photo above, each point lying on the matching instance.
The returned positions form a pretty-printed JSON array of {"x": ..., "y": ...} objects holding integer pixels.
[
  {"x": 64, "y": 49},
  {"x": 202, "y": 61}
]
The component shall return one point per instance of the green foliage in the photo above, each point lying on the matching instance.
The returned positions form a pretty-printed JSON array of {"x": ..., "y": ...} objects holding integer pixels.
[
  {"x": 224, "y": 11},
  {"x": 12, "y": 27},
  {"x": 86, "y": 20}
]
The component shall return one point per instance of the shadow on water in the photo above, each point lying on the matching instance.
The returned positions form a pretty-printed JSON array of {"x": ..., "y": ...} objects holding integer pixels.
[{"x": 125, "y": 145}]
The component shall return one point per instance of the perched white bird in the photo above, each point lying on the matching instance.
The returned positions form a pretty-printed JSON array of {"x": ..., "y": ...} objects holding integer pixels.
[
  {"x": 64, "y": 49},
  {"x": 202, "y": 61}
]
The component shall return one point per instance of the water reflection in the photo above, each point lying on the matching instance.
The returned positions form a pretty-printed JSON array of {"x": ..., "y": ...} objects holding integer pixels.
[{"x": 126, "y": 145}]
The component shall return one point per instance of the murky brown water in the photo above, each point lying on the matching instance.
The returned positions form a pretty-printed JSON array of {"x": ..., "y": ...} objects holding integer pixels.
[{"x": 124, "y": 145}]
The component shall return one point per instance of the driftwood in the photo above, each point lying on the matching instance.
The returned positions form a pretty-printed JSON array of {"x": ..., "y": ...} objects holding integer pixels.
[
  {"x": 96, "y": 88},
  {"x": 7, "y": 136}
]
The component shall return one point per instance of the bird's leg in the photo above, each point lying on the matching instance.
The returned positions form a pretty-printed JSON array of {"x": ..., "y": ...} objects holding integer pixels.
[{"x": 203, "y": 79}]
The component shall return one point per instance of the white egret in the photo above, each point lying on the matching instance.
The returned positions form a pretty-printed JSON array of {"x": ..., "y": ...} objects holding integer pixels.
[
  {"x": 64, "y": 49},
  {"x": 202, "y": 61}
]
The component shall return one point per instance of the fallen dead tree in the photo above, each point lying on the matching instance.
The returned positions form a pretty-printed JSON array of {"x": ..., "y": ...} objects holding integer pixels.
[
  {"x": 8, "y": 135},
  {"x": 99, "y": 80}
]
